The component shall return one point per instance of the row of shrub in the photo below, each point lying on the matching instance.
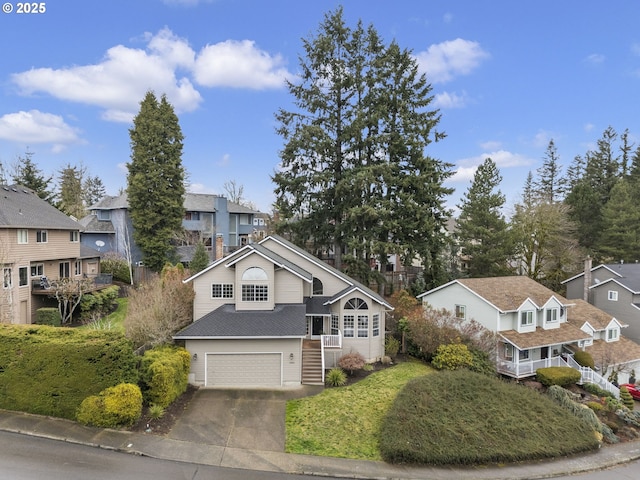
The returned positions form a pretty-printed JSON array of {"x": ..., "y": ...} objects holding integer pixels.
[
  {"x": 89, "y": 375},
  {"x": 100, "y": 302}
]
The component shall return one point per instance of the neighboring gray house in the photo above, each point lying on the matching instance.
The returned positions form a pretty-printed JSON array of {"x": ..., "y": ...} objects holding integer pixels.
[
  {"x": 614, "y": 288},
  {"x": 271, "y": 314},
  {"x": 211, "y": 219}
]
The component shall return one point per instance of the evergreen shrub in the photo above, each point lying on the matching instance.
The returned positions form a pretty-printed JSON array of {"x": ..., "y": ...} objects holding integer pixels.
[
  {"x": 336, "y": 377},
  {"x": 452, "y": 357},
  {"x": 116, "y": 406},
  {"x": 48, "y": 316},
  {"x": 561, "y": 376},
  {"x": 584, "y": 359},
  {"x": 164, "y": 374}
]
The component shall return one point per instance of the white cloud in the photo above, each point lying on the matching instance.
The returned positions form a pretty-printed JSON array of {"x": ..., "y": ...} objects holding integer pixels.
[
  {"x": 463, "y": 174},
  {"x": 224, "y": 161},
  {"x": 200, "y": 188},
  {"x": 449, "y": 100},
  {"x": 37, "y": 127},
  {"x": 120, "y": 81},
  {"x": 239, "y": 64},
  {"x": 444, "y": 61},
  {"x": 491, "y": 145},
  {"x": 502, "y": 158},
  {"x": 595, "y": 59}
]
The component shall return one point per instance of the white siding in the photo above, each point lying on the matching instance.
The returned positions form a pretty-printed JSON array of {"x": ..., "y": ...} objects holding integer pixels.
[
  {"x": 249, "y": 262},
  {"x": 288, "y": 287},
  {"x": 203, "y": 302}
]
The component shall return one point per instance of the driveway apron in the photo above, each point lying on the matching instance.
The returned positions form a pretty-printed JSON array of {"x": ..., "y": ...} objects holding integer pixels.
[{"x": 246, "y": 419}]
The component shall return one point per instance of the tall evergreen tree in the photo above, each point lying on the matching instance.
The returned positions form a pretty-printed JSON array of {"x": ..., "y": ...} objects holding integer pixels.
[
  {"x": 354, "y": 176},
  {"x": 620, "y": 238},
  {"x": 483, "y": 232},
  {"x": 70, "y": 199},
  {"x": 92, "y": 190},
  {"x": 549, "y": 185},
  {"x": 27, "y": 174},
  {"x": 155, "y": 182}
]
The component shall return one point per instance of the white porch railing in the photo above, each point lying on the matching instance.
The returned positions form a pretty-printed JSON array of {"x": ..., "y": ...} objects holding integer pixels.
[
  {"x": 528, "y": 368},
  {"x": 329, "y": 341}
]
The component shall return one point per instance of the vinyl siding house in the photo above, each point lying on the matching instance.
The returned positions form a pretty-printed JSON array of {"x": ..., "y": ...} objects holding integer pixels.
[
  {"x": 614, "y": 288},
  {"x": 537, "y": 327},
  {"x": 270, "y": 314},
  {"x": 207, "y": 218},
  {"x": 36, "y": 240}
]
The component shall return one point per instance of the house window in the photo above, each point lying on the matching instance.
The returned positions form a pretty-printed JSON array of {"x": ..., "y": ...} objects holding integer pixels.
[
  {"x": 22, "y": 271},
  {"x": 192, "y": 216},
  {"x": 6, "y": 277},
  {"x": 552, "y": 315},
  {"x": 612, "y": 295},
  {"x": 318, "y": 288},
  {"x": 356, "y": 304},
  {"x": 255, "y": 293},
  {"x": 612, "y": 334},
  {"x": 41, "y": 236},
  {"x": 523, "y": 355},
  {"x": 65, "y": 269},
  {"x": 222, "y": 290},
  {"x": 461, "y": 311},
  {"x": 363, "y": 326},
  {"x": 335, "y": 324},
  {"x": 349, "y": 325},
  {"x": 376, "y": 325},
  {"x": 77, "y": 267},
  {"x": 74, "y": 236},
  {"x": 508, "y": 351},
  {"x": 526, "y": 318},
  {"x": 37, "y": 270},
  {"x": 244, "y": 219},
  {"x": 23, "y": 236},
  {"x": 104, "y": 215}
]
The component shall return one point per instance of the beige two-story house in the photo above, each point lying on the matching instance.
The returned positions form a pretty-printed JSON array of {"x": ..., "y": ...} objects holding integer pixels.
[
  {"x": 38, "y": 245},
  {"x": 271, "y": 314}
]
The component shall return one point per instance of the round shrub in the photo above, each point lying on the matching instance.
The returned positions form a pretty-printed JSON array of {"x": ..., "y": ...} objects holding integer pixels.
[
  {"x": 113, "y": 407},
  {"x": 48, "y": 316},
  {"x": 452, "y": 357},
  {"x": 626, "y": 398},
  {"x": 584, "y": 359},
  {"x": 164, "y": 374},
  {"x": 336, "y": 377},
  {"x": 351, "y": 362}
]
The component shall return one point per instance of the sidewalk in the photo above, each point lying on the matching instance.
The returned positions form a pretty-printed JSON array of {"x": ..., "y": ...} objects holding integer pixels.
[{"x": 165, "y": 448}]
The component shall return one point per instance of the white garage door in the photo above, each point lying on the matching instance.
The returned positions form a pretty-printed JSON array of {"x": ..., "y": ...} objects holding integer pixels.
[{"x": 244, "y": 370}]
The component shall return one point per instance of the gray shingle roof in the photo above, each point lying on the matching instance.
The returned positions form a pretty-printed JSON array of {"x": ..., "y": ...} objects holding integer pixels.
[
  {"x": 91, "y": 224},
  {"x": 20, "y": 207},
  {"x": 285, "y": 320},
  {"x": 629, "y": 274},
  {"x": 317, "y": 305}
]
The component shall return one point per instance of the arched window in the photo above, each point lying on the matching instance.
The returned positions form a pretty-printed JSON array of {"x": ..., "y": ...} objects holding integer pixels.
[
  {"x": 256, "y": 288},
  {"x": 318, "y": 288},
  {"x": 352, "y": 323},
  {"x": 254, "y": 273},
  {"x": 356, "y": 303}
]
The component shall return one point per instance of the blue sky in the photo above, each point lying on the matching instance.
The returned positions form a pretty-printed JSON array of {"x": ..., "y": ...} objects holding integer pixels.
[{"x": 507, "y": 76}]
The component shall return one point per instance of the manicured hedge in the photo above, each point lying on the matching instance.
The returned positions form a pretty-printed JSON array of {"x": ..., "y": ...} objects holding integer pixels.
[
  {"x": 100, "y": 302},
  {"x": 113, "y": 407},
  {"x": 50, "y": 371},
  {"x": 48, "y": 316},
  {"x": 562, "y": 376},
  {"x": 164, "y": 374}
]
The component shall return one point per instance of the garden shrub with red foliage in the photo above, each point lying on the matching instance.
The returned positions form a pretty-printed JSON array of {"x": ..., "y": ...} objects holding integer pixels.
[{"x": 351, "y": 362}]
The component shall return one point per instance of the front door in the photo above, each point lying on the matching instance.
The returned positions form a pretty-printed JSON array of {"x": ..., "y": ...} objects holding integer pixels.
[
  {"x": 544, "y": 353},
  {"x": 317, "y": 327}
]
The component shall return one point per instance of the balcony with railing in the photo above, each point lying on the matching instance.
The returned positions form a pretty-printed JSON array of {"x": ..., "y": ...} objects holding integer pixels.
[{"x": 47, "y": 286}]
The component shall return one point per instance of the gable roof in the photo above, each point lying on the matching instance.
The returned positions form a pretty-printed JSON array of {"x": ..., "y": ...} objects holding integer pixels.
[
  {"x": 506, "y": 293},
  {"x": 623, "y": 351},
  {"x": 582, "y": 312},
  {"x": 626, "y": 274},
  {"x": 285, "y": 320},
  {"x": 255, "y": 248},
  {"x": 20, "y": 207}
]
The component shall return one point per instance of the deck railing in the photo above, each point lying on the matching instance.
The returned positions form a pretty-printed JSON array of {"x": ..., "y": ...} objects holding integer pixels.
[{"x": 329, "y": 341}]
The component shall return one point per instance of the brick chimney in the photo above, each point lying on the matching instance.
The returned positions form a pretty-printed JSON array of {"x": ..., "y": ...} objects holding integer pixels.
[
  {"x": 219, "y": 246},
  {"x": 587, "y": 278}
]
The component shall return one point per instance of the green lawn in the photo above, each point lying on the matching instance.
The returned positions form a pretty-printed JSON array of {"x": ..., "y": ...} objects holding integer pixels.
[
  {"x": 113, "y": 321},
  {"x": 345, "y": 421}
]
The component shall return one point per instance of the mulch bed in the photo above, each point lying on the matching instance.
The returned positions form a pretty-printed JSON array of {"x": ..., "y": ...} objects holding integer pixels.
[{"x": 164, "y": 424}]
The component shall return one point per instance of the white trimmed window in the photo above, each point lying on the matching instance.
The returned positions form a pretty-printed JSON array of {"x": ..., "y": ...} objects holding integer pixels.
[
  {"x": 318, "y": 288},
  {"x": 612, "y": 334},
  {"x": 23, "y": 236},
  {"x": 258, "y": 289},
  {"x": 37, "y": 269},
  {"x": 41, "y": 236},
  {"x": 523, "y": 355},
  {"x": 461, "y": 311},
  {"x": 363, "y": 326},
  {"x": 508, "y": 351},
  {"x": 77, "y": 267},
  {"x": 65, "y": 270},
  {"x": 526, "y": 318},
  {"x": 349, "y": 326},
  {"x": 552, "y": 315},
  {"x": 74, "y": 236},
  {"x": 22, "y": 274},
  {"x": 612, "y": 295},
  {"x": 6, "y": 277},
  {"x": 222, "y": 290},
  {"x": 335, "y": 324},
  {"x": 376, "y": 325}
]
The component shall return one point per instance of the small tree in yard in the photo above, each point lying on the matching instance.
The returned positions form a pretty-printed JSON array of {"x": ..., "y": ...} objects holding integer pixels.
[
  {"x": 452, "y": 357},
  {"x": 69, "y": 294},
  {"x": 351, "y": 362},
  {"x": 159, "y": 308}
]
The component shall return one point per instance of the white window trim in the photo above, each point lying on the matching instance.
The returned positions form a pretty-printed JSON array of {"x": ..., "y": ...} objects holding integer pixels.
[
  {"x": 226, "y": 290},
  {"x": 77, "y": 268},
  {"x": 7, "y": 277},
  {"x": 461, "y": 312},
  {"x": 349, "y": 332},
  {"x": 612, "y": 295},
  {"x": 37, "y": 266},
  {"x": 529, "y": 318},
  {"x": 363, "y": 326},
  {"x": 375, "y": 325},
  {"x": 41, "y": 234},
  {"x": 23, "y": 236},
  {"x": 612, "y": 334},
  {"x": 26, "y": 277},
  {"x": 551, "y": 312}
]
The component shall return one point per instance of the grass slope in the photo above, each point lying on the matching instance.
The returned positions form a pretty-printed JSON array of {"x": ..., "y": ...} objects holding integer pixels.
[
  {"x": 345, "y": 421},
  {"x": 466, "y": 418}
]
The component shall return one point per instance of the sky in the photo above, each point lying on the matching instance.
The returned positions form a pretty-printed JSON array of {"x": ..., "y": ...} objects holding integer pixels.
[{"x": 507, "y": 77}]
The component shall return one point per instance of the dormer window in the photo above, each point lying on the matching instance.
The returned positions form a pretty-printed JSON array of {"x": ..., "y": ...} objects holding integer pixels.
[
  {"x": 256, "y": 289},
  {"x": 551, "y": 315},
  {"x": 612, "y": 334},
  {"x": 526, "y": 318},
  {"x": 103, "y": 215}
]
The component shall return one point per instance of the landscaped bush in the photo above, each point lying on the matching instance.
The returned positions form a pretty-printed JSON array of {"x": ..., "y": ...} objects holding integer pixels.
[
  {"x": 626, "y": 398},
  {"x": 482, "y": 363},
  {"x": 594, "y": 389},
  {"x": 452, "y": 357},
  {"x": 351, "y": 362},
  {"x": 100, "y": 302},
  {"x": 51, "y": 370},
  {"x": 336, "y": 377},
  {"x": 391, "y": 346},
  {"x": 117, "y": 266},
  {"x": 561, "y": 376},
  {"x": 48, "y": 316},
  {"x": 113, "y": 407},
  {"x": 453, "y": 418},
  {"x": 164, "y": 374},
  {"x": 584, "y": 359}
]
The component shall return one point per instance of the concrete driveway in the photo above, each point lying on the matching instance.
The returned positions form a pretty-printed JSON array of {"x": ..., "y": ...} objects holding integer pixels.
[{"x": 246, "y": 419}]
